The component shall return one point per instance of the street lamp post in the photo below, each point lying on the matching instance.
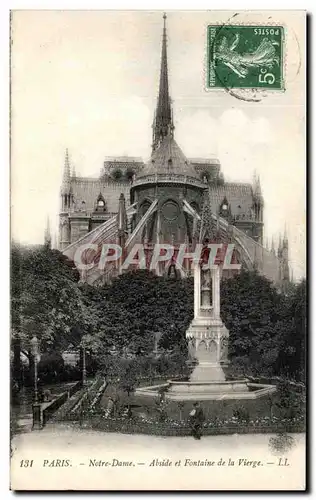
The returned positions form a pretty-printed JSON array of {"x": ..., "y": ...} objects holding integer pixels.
[
  {"x": 37, "y": 407},
  {"x": 35, "y": 381},
  {"x": 34, "y": 344},
  {"x": 84, "y": 369},
  {"x": 83, "y": 363}
]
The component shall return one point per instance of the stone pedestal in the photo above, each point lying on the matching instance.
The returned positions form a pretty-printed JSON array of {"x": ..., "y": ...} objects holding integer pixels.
[
  {"x": 38, "y": 421},
  {"x": 207, "y": 335},
  {"x": 208, "y": 343}
]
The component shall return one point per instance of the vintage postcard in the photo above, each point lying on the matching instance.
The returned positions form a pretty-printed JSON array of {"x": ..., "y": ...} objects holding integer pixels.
[{"x": 158, "y": 293}]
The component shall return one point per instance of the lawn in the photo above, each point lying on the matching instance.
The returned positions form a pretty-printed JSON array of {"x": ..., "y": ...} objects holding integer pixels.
[{"x": 278, "y": 409}]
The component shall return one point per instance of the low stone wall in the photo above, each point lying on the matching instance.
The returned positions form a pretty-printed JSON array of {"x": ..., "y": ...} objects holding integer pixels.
[
  {"x": 207, "y": 391},
  {"x": 50, "y": 407},
  {"x": 299, "y": 386},
  {"x": 74, "y": 388},
  {"x": 42, "y": 412}
]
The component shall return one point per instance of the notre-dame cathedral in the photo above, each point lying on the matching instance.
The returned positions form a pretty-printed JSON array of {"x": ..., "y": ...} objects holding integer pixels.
[{"x": 170, "y": 199}]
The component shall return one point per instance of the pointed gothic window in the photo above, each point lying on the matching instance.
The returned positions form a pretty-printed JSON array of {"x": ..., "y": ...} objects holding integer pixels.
[
  {"x": 205, "y": 176},
  {"x": 224, "y": 206},
  {"x": 100, "y": 204}
]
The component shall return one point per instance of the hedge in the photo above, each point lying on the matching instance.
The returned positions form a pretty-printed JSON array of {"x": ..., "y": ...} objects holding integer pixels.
[{"x": 183, "y": 429}]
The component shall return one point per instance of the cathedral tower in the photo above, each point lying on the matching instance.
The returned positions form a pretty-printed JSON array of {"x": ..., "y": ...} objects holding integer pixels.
[
  {"x": 47, "y": 235},
  {"x": 258, "y": 205},
  {"x": 66, "y": 201},
  {"x": 168, "y": 179},
  {"x": 163, "y": 123}
]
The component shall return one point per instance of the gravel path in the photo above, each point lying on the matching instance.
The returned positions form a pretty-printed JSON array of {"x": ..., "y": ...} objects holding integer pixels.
[{"x": 97, "y": 460}]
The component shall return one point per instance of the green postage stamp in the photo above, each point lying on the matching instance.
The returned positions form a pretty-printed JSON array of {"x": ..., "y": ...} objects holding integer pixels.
[{"x": 240, "y": 56}]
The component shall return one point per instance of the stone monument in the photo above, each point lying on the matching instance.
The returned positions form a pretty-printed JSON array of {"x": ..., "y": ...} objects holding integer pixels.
[
  {"x": 207, "y": 335},
  {"x": 207, "y": 339}
]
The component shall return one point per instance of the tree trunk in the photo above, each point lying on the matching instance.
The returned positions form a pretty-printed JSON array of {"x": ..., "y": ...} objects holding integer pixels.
[
  {"x": 17, "y": 365},
  {"x": 31, "y": 370}
]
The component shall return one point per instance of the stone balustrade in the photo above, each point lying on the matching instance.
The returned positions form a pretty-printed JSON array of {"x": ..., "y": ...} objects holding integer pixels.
[{"x": 168, "y": 178}]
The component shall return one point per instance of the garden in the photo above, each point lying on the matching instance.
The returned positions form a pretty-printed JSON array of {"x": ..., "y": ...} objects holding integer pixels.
[
  {"x": 133, "y": 333},
  {"x": 113, "y": 407}
]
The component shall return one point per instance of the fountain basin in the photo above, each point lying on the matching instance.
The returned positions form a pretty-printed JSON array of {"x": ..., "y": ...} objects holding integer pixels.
[{"x": 207, "y": 391}]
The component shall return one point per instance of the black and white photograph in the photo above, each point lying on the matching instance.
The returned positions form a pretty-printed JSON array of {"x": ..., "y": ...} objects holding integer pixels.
[{"x": 158, "y": 250}]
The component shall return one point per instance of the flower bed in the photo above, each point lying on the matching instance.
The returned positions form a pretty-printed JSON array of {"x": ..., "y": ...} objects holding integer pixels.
[
  {"x": 182, "y": 428},
  {"x": 157, "y": 422},
  {"x": 97, "y": 395},
  {"x": 64, "y": 410},
  {"x": 134, "y": 414},
  {"x": 85, "y": 399},
  {"x": 89, "y": 400}
]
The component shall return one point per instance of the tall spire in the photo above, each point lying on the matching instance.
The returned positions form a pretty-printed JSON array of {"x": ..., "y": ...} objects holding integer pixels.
[
  {"x": 66, "y": 173},
  {"x": 256, "y": 188},
  {"x": 163, "y": 122},
  {"x": 272, "y": 246},
  {"x": 280, "y": 246},
  {"x": 47, "y": 235},
  {"x": 73, "y": 173},
  {"x": 285, "y": 238}
]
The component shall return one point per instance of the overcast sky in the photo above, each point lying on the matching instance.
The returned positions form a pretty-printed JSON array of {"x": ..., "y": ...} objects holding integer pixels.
[{"x": 88, "y": 80}]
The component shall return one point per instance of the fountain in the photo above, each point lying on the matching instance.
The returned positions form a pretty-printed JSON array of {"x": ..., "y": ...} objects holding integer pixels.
[{"x": 207, "y": 339}]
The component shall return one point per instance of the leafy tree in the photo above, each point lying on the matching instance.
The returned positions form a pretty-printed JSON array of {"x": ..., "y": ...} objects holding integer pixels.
[
  {"x": 124, "y": 319},
  {"x": 266, "y": 325},
  {"x": 289, "y": 403},
  {"x": 134, "y": 308},
  {"x": 291, "y": 358},
  {"x": 138, "y": 306},
  {"x": 51, "y": 364},
  {"x": 45, "y": 299},
  {"x": 250, "y": 308},
  {"x": 129, "y": 378}
]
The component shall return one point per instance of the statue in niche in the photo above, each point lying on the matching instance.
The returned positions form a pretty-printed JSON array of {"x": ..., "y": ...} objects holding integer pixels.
[
  {"x": 205, "y": 278},
  {"x": 206, "y": 288}
]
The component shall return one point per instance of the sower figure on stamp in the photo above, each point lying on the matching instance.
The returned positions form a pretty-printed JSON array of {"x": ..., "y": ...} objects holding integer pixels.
[{"x": 197, "y": 419}]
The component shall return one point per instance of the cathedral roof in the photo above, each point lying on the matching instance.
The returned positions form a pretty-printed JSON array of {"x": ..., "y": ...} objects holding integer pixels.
[
  {"x": 168, "y": 158},
  {"x": 239, "y": 196},
  {"x": 87, "y": 190}
]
